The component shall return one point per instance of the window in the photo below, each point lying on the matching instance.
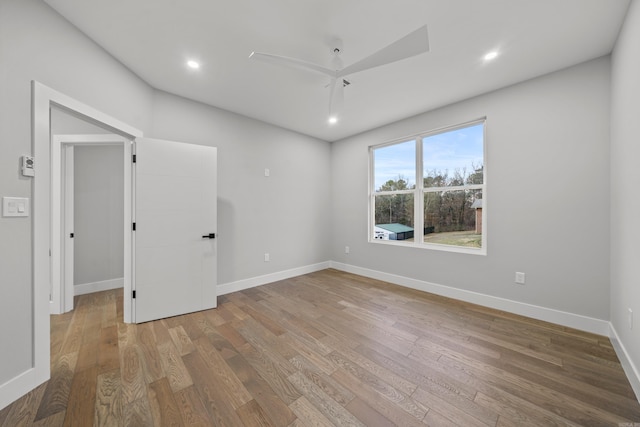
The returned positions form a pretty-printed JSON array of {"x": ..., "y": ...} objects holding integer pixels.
[{"x": 427, "y": 191}]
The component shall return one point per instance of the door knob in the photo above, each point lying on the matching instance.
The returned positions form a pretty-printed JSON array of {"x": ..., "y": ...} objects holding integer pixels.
[{"x": 209, "y": 236}]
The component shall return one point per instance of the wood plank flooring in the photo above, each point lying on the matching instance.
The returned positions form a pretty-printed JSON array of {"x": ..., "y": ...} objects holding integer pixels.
[{"x": 324, "y": 349}]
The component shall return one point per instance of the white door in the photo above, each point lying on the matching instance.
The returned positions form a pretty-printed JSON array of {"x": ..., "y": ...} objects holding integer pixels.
[{"x": 175, "y": 216}]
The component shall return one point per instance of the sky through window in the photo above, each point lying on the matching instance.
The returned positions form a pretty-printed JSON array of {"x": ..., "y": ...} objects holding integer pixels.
[{"x": 457, "y": 149}]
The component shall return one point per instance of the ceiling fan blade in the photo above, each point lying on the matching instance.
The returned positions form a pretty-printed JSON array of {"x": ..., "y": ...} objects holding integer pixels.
[
  {"x": 336, "y": 98},
  {"x": 412, "y": 44},
  {"x": 292, "y": 62}
]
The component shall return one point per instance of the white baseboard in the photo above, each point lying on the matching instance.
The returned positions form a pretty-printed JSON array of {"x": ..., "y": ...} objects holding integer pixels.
[
  {"x": 104, "y": 285},
  {"x": 17, "y": 387},
  {"x": 576, "y": 321},
  {"x": 240, "y": 285},
  {"x": 630, "y": 369}
]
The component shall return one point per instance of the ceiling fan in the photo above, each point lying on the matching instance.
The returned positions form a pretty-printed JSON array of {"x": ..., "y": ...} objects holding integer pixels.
[{"x": 412, "y": 44}]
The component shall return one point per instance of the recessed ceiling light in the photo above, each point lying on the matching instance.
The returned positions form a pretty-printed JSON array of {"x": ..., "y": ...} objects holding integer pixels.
[
  {"x": 193, "y": 64},
  {"x": 333, "y": 120},
  {"x": 491, "y": 55}
]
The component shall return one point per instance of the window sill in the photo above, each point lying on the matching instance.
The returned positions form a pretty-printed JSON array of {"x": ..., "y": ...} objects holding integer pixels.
[{"x": 432, "y": 246}]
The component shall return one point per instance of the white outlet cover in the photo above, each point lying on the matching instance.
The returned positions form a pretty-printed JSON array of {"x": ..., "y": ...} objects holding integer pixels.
[{"x": 520, "y": 278}]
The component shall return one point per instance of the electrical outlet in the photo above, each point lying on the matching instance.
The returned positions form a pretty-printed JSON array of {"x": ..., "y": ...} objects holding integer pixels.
[
  {"x": 346, "y": 249},
  {"x": 266, "y": 257},
  {"x": 630, "y": 315},
  {"x": 519, "y": 278}
]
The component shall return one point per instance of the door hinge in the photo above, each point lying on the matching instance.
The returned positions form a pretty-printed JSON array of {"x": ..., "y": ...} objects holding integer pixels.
[
  {"x": 134, "y": 226},
  {"x": 133, "y": 294},
  {"x": 134, "y": 158}
]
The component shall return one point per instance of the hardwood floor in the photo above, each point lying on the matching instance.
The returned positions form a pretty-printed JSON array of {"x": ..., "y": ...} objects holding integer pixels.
[{"x": 324, "y": 349}]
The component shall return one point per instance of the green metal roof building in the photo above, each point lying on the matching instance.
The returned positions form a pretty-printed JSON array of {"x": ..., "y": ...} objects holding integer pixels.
[{"x": 393, "y": 231}]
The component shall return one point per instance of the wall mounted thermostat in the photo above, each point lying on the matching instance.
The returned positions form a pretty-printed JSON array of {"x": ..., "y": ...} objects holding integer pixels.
[{"x": 28, "y": 166}]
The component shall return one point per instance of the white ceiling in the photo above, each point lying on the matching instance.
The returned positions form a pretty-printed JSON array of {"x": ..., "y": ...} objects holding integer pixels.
[{"x": 155, "y": 38}]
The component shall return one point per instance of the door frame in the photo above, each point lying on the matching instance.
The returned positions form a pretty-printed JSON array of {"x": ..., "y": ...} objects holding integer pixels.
[
  {"x": 43, "y": 99},
  {"x": 62, "y": 290}
]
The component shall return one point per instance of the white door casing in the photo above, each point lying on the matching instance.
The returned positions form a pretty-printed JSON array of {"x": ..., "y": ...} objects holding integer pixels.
[
  {"x": 175, "y": 212},
  {"x": 68, "y": 259}
]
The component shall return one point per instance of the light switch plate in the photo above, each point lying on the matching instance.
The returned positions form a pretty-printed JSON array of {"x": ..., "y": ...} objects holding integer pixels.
[{"x": 15, "y": 206}]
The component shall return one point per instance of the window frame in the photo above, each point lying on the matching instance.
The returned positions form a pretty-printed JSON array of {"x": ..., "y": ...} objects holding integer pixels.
[{"x": 420, "y": 191}]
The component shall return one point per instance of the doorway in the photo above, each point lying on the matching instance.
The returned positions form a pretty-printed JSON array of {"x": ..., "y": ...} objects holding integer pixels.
[
  {"x": 189, "y": 164},
  {"x": 43, "y": 100},
  {"x": 102, "y": 239}
]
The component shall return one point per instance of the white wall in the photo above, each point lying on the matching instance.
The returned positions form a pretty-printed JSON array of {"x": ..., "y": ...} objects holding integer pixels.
[
  {"x": 37, "y": 44},
  {"x": 63, "y": 123},
  {"x": 547, "y": 195},
  {"x": 286, "y": 214},
  {"x": 625, "y": 175},
  {"x": 98, "y": 214}
]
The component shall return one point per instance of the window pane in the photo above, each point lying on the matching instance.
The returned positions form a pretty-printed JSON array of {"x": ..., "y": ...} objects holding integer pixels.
[
  {"x": 454, "y": 158},
  {"x": 453, "y": 218},
  {"x": 394, "y": 167},
  {"x": 394, "y": 217}
]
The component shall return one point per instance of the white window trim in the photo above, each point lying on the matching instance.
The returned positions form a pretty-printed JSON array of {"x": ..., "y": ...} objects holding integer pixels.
[{"x": 420, "y": 190}]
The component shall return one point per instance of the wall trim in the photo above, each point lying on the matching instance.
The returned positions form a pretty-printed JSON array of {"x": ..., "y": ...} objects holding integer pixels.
[
  {"x": 20, "y": 385},
  {"x": 630, "y": 369},
  {"x": 103, "y": 285},
  {"x": 252, "y": 282},
  {"x": 576, "y": 321}
]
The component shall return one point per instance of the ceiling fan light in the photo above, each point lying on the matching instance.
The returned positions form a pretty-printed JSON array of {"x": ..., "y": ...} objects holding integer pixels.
[{"x": 490, "y": 56}]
